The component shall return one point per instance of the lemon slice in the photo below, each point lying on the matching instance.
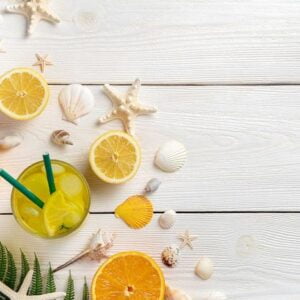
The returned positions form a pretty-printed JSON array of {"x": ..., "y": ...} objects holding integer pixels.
[
  {"x": 61, "y": 215},
  {"x": 24, "y": 93},
  {"x": 115, "y": 157}
]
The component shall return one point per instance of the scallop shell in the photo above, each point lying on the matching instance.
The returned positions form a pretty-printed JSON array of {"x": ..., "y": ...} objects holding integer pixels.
[
  {"x": 167, "y": 219},
  {"x": 215, "y": 295},
  {"x": 171, "y": 156},
  {"x": 170, "y": 256},
  {"x": 61, "y": 137},
  {"x": 75, "y": 101},
  {"x": 152, "y": 185},
  {"x": 176, "y": 294},
  {"x": 205, "y": 268},
  {"x": 136, "y": 211},
  {"x": 10, "y": 141}
]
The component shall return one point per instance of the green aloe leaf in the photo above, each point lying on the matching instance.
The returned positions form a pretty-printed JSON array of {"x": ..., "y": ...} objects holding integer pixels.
[
  {"x": 50, "y": 283},
  {"x": 24, "y": 268},
  {"x": 85, "y": 293},
  {"x": 37, "y": 282},
  {"x": 70, "y": 292},
  {"x": 11, "y": 273}
]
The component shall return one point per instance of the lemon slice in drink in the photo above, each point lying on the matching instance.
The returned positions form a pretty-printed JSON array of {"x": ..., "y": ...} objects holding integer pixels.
[
  {"x": 24, "y": 93},
  {"x": 61, "y": 215},
  {"x": 115, "y": 157}
]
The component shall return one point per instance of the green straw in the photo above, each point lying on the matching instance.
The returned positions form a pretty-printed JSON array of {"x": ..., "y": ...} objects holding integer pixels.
[
  {"x": 49, "y": 172},
  {"x": 20, "y": 187}
]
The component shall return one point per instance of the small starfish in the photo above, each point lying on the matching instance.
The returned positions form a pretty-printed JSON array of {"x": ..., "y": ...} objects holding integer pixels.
[
  {"x": 42, "y": 62},
  {"x": 35, "y": 11},
  {"x": 126, "y": 108},
  {"x": 187, "y": 239},
  {"x": 22, "y": 293},
  {"x": 1, "y": 48}
]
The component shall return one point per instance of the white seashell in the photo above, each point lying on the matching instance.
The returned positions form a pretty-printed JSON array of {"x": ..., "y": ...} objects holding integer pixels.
[
  {"x": 167, "y": 219},
  {"x": 152, "y": 185},
  {"x": 176, "y": 294},
  {"x": 61, "y": 137},
  {"x": 10, "y": 141},
  {"x": 205, "y": 268},
  {"x": 75, "y": 101},
  {"x": 101, "y": 239},
  {"x": 171, "y": 156},
  {"x": 215, "y": 295},
  {"x": 170, "y": 256}
]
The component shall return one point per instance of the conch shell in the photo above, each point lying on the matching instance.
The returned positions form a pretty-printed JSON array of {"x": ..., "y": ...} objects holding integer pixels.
[
  {"x": 61, "y": 137},
  {"x": 10, "y": 141}
]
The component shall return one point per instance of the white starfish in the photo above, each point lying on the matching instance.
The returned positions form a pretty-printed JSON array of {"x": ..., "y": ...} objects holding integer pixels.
[
  {"x": 187, "y": 239},
  {"x": 35, "y": 11},
  {"x": 22, "y": 293},
  {"x": 126, "y": 108}
]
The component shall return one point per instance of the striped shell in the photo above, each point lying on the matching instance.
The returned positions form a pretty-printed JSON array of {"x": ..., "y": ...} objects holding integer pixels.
[{"x": 136, "y": 211}]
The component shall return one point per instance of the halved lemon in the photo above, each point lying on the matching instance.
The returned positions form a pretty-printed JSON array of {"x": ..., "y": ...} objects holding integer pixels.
[
  {"x": 129, "y": 275},
  {"x": 115, "y": 157},
  {"x": 24, "y": 93}
]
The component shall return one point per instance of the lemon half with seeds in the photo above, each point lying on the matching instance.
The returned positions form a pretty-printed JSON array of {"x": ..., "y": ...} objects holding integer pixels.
[
  {"x": 24, "y": 93},
  {"x": 115, "y": 157}
]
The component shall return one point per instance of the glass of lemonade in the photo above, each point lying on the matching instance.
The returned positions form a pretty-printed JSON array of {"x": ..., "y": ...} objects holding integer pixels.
[{"x": 63, "y": 212}]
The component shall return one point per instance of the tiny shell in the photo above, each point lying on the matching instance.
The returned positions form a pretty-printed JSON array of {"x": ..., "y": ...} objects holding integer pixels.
[
  {"x": 205, "y": 268},
  {"x": 10, "y": 141},
  {"x": 171, "y": 156},
  {"x": 61, "y": 137},
  {"x": 215, "y": 295},
  {"x": 167, "y": 219},
  {"x": 170, "y": 256},
  {"x": 152, "y": 185},
  {"x": 176, "y": 294},
  {"x": 75, "y": 101}
]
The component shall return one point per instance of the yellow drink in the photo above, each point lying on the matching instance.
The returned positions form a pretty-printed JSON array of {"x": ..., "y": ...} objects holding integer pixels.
[{"x": 63, "y": 212}]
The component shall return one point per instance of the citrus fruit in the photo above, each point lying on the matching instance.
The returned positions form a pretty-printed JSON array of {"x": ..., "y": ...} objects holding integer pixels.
[
  {"x": 129, "y": 275},
  {"x": 60, "y": 214},
  {"x": 115, "y": 157},
  {"x": 24, "y": 93}
]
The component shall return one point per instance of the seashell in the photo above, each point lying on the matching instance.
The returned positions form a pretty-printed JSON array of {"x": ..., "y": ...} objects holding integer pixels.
[
  {"x": 167, "y": 219},
  {"x": 205, "y": 268},
  {"x": 10, "y": 141},
  {"x": 176, "y": 294},
  {"x": 171, "y": 156},
  {"x": 152, "y": 185},
  {"x": 75, "y": 101},
  {"x": 136, "y": 211},
  {"x": 170, "y": 256},
  {"x": 215, "y": 295},
  {"x": 61, "y": 137}
]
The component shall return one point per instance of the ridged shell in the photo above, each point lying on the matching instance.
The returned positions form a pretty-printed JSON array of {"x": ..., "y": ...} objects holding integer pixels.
[
  {"x": 61, "y": 137},
  {"x": 167, "y": 219},
  {"x": 171, "y": 156},
  {"x": 170, "y": 256},
  {"x": 136, "y": 211},
  {"x": 214, "y": 295},
  {"x": 176, "y": 294},
  {"x": 205, "y": 268},
  {"x": 75, "y": 101}
]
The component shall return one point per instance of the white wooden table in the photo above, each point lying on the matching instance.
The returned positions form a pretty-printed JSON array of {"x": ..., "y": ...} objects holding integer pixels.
[{"x": 225, "y": 76}]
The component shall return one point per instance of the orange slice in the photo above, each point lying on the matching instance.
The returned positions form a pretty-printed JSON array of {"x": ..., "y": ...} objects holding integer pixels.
[
  {"x": 115, "y": 157},
  {"x": 129, "y": 276},
  {"x": 24, "y": 93}
]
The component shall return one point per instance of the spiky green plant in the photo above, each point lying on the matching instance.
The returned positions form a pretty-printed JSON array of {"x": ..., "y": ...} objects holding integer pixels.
[
  {"x": 37, "y": 281},
  {"x": 3, "y": 261},
  {"x": 50, "y": 283},
  {"x": 85, "y": 292},
  {"x": 11, "y": 272},
  {"x": 24, "y": 268},
  {"x": 70, "y": 293}
]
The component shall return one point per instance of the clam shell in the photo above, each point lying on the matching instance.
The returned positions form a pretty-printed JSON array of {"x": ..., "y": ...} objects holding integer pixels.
[
  {"x": 75, "y": 101},
  {"x": 176, "y": 294},
  {"x": 136, "y": 211},
  {"x": 167, "y": 219},
  {"x": 171, "y": 156},
  {"x": 170, "y": 256},
  {"x": 205, "y": 268}
]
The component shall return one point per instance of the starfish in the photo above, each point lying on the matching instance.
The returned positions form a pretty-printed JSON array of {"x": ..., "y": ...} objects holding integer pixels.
[
  {"x": 126, "y": 108},
  {"x": 22, "y": 293},
  {"x": 187, "y": 239},
  {"x": 35, "y": 11},
  {"x": 42, "y": 62}
]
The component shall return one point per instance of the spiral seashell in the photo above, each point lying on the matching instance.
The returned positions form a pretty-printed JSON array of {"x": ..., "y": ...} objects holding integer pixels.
[
  {"x": 61, "y": 137},
  {"x": 205, "y": 268},
  {"x": 10, "y": 141},
  {"x": 75, "y": 101},
  {"x": 170, "y": 256},
  {"x": 171, "y": 156},
  {"x": 176, "y": 294},
  {"x": 167, "y": 219},
  {"x": 152, "y": 186}
]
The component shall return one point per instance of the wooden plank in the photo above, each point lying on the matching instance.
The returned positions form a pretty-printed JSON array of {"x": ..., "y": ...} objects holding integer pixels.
[
  {"x": 255, "y": 255},
  {"x": 242, "y": 141},
  {"x": 202, "y": 42}
]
